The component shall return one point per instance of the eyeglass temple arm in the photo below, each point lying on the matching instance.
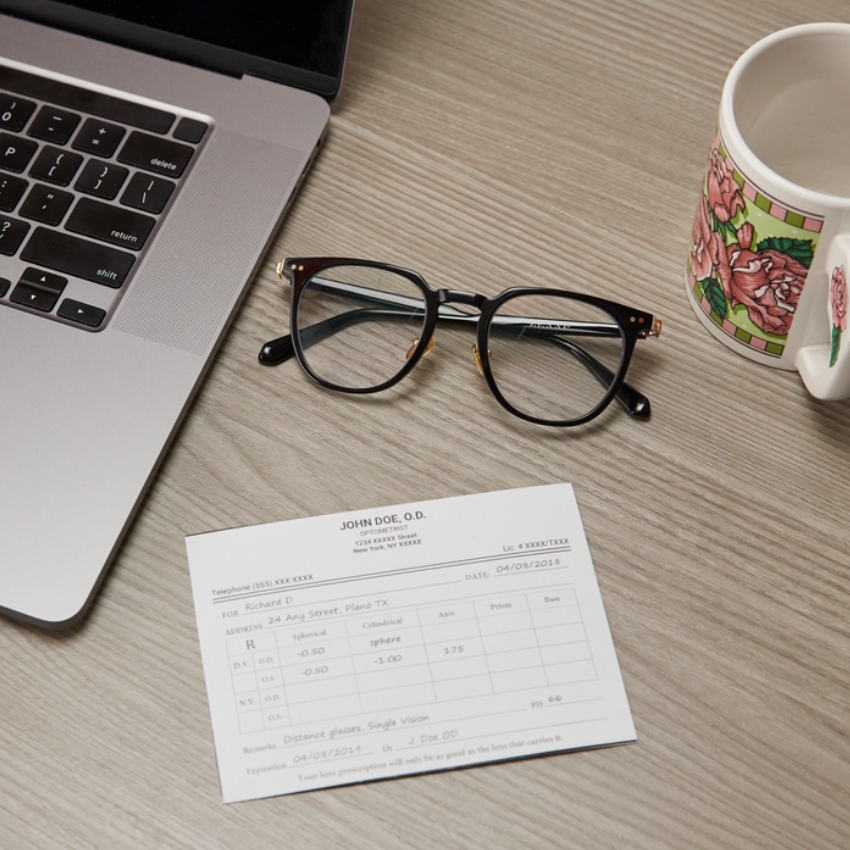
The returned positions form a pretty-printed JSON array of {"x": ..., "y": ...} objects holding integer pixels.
[
  {"x": 396, "y": 306},
  {"x": 281, "y": 349},
  {"x": 634, "y": 402}
]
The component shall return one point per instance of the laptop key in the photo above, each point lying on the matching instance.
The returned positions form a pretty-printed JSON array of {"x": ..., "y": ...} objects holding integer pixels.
[
  {"x": 148, "y": 193},
  {"x": 98, "y": 137},
  {"x": 53, "y": 125},
  {"x": 190, "y": 130},
  {"x": 103, "y": 179},
  {"x": 12, "y": 233},
  {"x": 155, "y": 154},
  {"x": 46, "y": 205},
  {"x": 54, "y": 165},
  {"x": 44, "y": 280},
  {"x": 38, "y": 289},
  {"x": 86, "y": 100},
  {"x": 15, "y": 112},
  {"x": 11, "y": 191},
  {"x": 32, "y": 296},
  {"x": 4, "y": 286},
  {"x": 84, "y": 314},
  {"x": 15, "y": 152},
  {"x": 110, "y": 224},
  {"x": 78, "y": 257}
]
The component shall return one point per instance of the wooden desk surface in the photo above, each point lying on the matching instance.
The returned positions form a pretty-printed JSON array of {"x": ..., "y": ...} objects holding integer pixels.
[{"x": 487, "y": 143}]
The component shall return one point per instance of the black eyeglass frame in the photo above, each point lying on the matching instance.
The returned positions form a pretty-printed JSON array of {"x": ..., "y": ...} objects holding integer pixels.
[{"x": 632, "y": 325}]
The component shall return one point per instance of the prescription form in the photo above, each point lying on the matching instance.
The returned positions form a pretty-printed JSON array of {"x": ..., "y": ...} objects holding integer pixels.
[{"x": 407, "y": 639}]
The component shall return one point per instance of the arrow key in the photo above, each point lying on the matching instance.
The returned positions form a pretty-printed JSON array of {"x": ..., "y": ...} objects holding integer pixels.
[
  {"x": 85, "y": 314},
  {"x": 32, "y": 296},
  {"x": 41, "y": 279},
  {"x": 38, "y": 289}
]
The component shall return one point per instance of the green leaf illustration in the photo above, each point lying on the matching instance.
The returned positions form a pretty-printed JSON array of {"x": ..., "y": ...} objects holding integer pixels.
[
  {"x": 834, "y": 345},
  {"x": 724, "y": 228},
  {"x": 714, "y": 294},
  {"x": 799, "y": 249}
]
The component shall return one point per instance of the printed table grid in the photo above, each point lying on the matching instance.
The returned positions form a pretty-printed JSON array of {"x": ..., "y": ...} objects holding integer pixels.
[{"x": 400, "y": 658}]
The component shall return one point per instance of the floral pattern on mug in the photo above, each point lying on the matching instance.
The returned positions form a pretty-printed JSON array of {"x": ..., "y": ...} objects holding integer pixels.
[
  {"x": 749, "y": 257},
  {"x": 767, "y": 282},
  {"x": 723, "y": 193},
  {"x": 837, "y": 310}
]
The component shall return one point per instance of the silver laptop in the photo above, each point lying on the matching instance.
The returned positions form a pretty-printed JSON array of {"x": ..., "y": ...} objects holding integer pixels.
[{"x": 146, "y": 160}]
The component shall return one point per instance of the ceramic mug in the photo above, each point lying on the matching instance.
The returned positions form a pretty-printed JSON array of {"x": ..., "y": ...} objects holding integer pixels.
[{"x": 769, "y": 260}]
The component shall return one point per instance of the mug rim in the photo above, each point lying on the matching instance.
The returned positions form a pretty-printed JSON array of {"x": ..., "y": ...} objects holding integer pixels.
[{"x": 728, "y": 124}]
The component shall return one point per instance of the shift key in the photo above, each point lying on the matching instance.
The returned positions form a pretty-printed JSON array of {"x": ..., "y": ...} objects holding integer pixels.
[
  {"x": 78, "y": 257},
  {"x": 110, "y": 224}
]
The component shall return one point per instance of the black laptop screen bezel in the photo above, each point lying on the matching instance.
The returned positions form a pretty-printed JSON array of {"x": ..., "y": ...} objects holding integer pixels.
[{"x": 205, "y": 54}]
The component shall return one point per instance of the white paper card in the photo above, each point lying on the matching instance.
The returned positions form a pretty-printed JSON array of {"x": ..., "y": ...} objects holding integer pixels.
[{"x": 420, "y": 637}]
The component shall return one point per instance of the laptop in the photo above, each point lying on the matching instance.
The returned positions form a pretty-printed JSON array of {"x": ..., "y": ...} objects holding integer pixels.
[{"x": 148, "y": 153}]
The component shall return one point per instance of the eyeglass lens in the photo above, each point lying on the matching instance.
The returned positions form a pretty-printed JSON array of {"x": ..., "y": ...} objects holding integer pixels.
[
  {"x": 356, "y": 325},
  {"x": 553, "y": 357}
]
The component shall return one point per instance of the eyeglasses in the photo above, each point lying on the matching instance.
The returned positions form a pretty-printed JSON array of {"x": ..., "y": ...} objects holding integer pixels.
[{"x": 551, "y": 357}]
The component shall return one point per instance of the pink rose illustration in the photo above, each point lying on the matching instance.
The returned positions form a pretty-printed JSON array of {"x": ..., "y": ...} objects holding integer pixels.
[
  {"x": 767, "y": 282},
  {"x": 838, "y": 298},
  {"x": 707, "y": 247},
  {"x": 724, "y": 194}
]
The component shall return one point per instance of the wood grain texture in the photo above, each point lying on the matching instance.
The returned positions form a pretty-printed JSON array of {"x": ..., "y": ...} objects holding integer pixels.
[{"x": 486, "y": 143}]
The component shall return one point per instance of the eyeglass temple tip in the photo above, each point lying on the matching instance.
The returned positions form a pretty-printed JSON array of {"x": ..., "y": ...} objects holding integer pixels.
[{"x": 276, "y": 351}]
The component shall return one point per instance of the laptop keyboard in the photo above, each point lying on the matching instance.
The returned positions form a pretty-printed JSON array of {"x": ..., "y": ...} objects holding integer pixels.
[{"x": 86, "y": 179}]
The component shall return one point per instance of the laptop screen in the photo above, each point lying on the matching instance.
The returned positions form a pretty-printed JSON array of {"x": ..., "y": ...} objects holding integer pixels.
[{"x": 298, "y": 42}]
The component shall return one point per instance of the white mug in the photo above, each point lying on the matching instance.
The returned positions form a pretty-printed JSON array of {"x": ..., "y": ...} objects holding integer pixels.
[{"x": 769, "y": 260}]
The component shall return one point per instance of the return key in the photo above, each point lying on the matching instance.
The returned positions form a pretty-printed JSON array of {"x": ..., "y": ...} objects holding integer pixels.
[{"x": 110, "y": 224}]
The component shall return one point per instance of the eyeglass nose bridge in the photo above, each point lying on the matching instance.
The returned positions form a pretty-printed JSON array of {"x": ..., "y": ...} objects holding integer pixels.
[
  {"x": 454, "y": 296},
  {"x": 473, "y": 299}
]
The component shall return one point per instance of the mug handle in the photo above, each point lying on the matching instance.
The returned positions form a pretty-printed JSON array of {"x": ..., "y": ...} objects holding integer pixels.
[{"x": 825, "y": 367}]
